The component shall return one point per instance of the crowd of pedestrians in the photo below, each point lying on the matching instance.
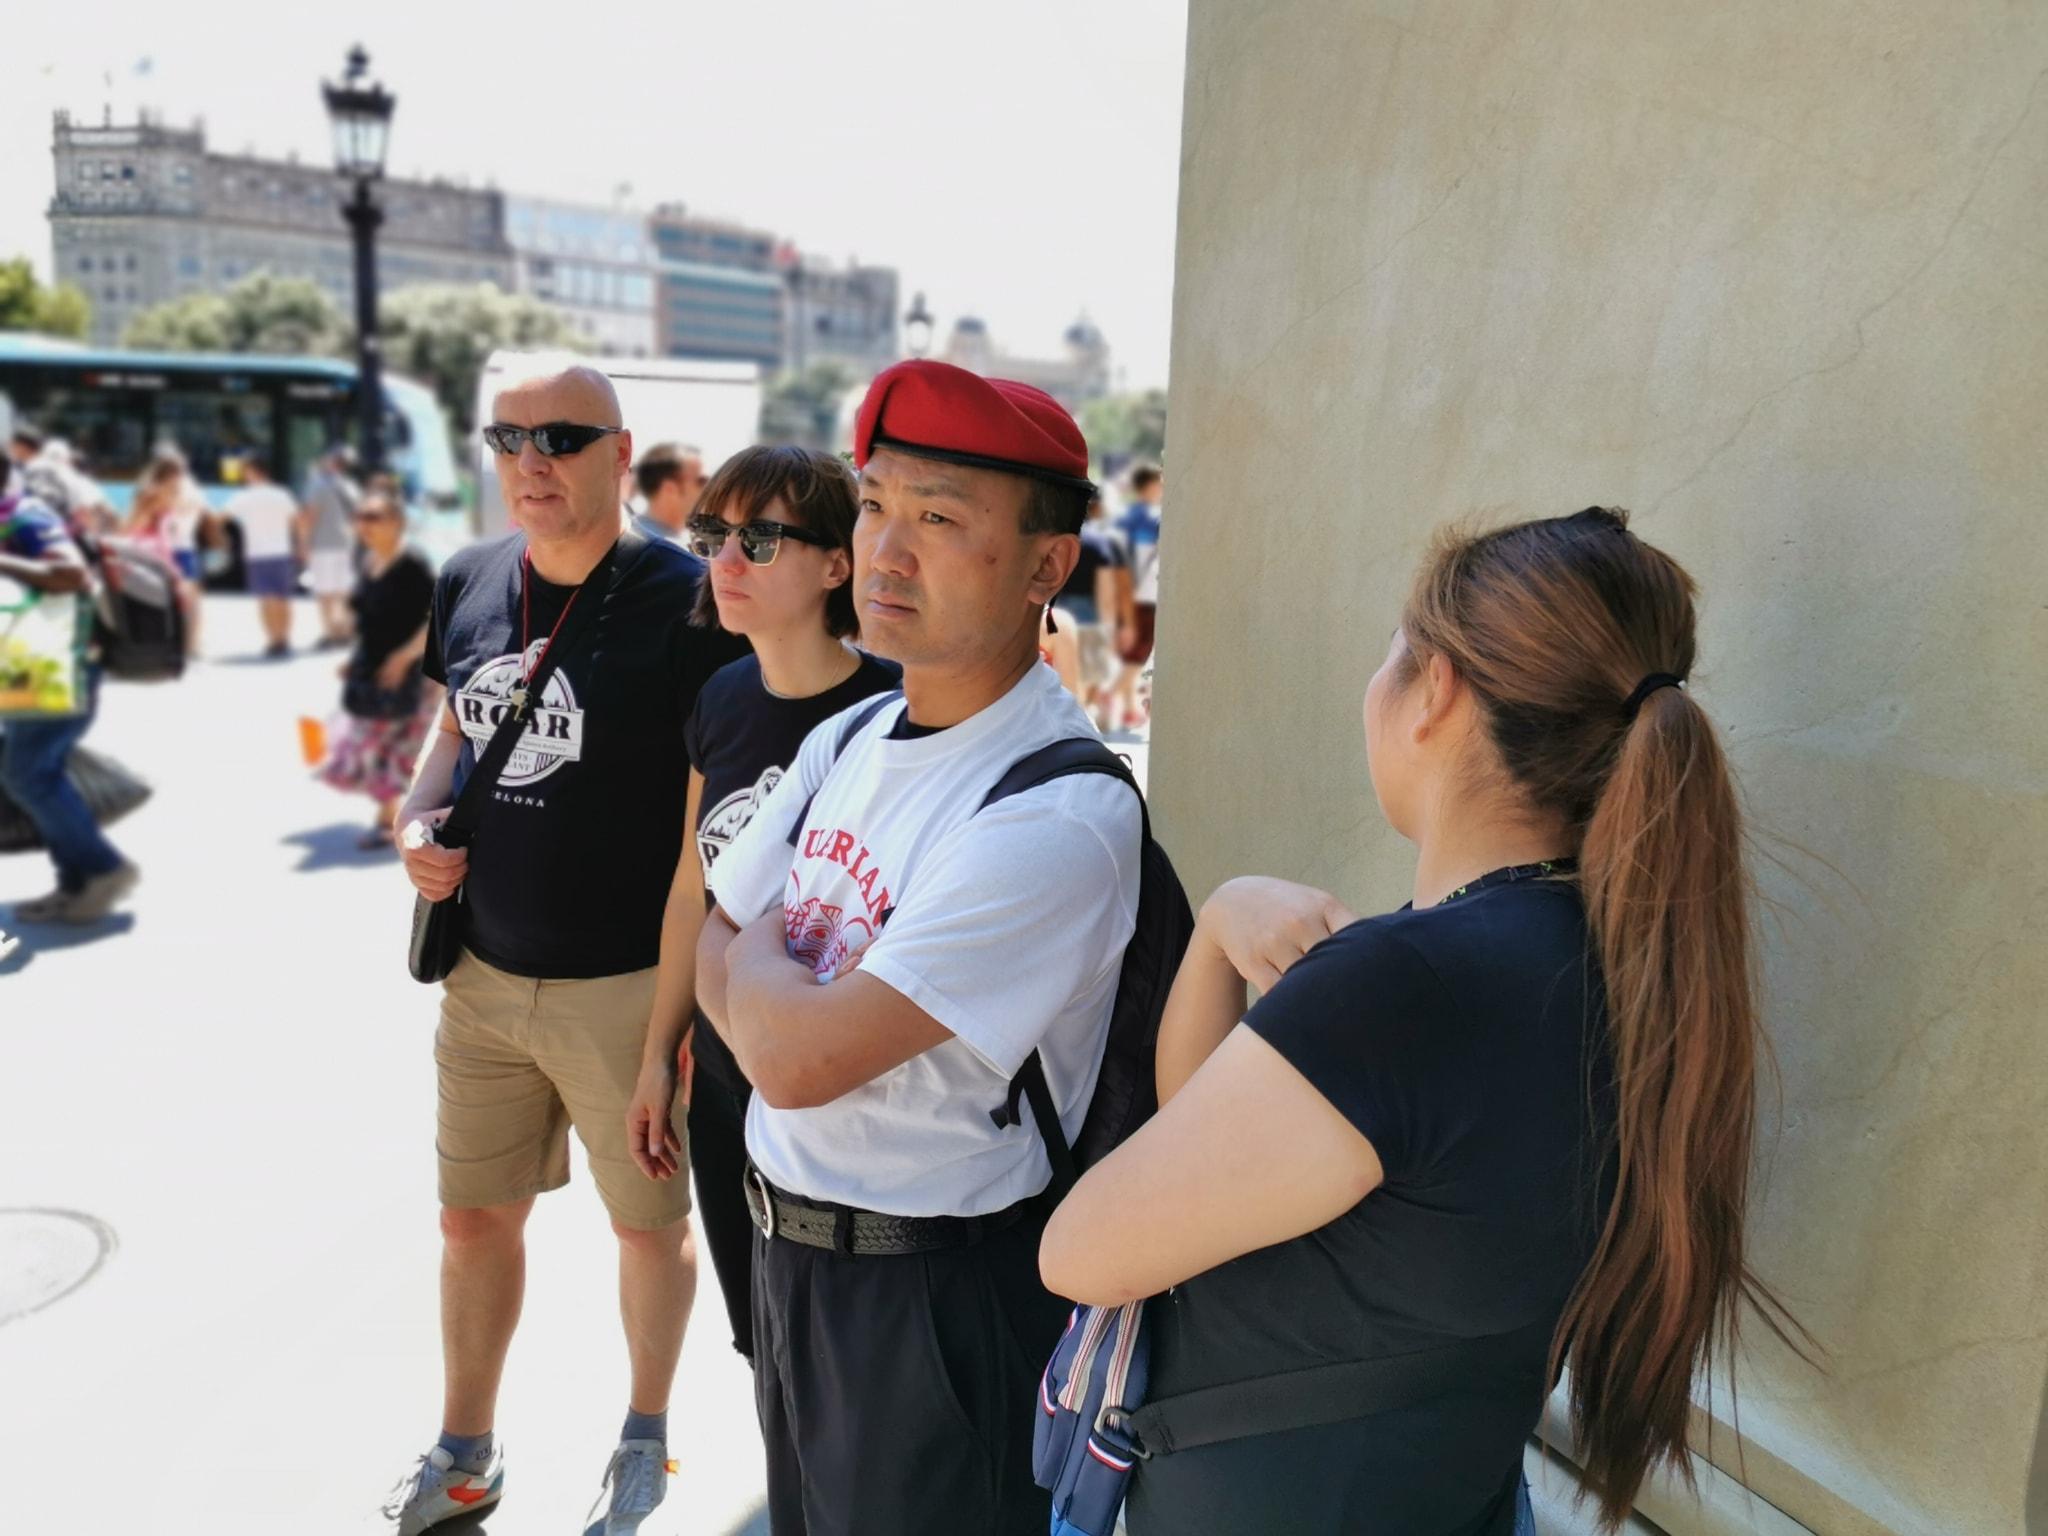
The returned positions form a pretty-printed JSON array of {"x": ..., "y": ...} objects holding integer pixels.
[{"x": 805, "y": 880}]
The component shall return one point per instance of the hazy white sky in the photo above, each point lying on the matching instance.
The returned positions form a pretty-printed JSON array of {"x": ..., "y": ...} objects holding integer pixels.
[{"x": 1015, "y": 161}]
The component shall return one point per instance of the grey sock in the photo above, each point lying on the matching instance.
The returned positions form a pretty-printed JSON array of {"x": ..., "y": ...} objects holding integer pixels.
[
  {"x": 472, "y": 1453},
  {"x": 646, "y": 1426}
]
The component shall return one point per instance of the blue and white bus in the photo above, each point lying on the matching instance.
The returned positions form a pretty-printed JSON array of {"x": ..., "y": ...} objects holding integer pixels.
[{"x": 114, "y": 406}]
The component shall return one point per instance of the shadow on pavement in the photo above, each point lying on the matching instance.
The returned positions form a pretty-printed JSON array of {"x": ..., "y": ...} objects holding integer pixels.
[
  {"x": 755, "y": 1524},
  {"x": 258, "y": 659},
  {"x": 338, "y": 847},
  {"x": 37, "y": 937}
]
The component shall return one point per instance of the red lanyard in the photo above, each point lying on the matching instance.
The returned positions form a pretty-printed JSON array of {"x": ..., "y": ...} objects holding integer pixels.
[{"x": 526, "y": 617}]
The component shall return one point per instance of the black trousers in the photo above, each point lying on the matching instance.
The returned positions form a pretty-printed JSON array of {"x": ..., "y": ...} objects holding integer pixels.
[
  {"x": 718, "y": 1157},
  {"x": 896, "y": 1393}
]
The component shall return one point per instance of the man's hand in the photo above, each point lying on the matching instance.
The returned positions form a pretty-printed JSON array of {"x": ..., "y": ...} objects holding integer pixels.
[
  {"x": 436, "y": 872},
  {"x": 649, "y": 1134},
  {"x": 1263, "y": 926}
]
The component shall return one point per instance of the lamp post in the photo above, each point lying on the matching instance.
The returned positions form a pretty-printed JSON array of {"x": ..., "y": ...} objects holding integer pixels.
[
  {"x": 917, "y": 328},
  {"x": 359, "y": 109}
]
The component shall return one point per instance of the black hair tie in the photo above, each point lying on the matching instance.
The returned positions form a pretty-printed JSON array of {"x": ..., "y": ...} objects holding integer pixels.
[{"x": 1648, "y": 686}]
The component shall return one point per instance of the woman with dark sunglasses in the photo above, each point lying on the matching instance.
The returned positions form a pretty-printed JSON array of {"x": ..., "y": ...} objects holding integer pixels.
[{"x": 774, "y": 529}]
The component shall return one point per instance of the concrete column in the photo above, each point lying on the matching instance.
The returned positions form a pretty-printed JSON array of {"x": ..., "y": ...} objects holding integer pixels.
[{"x": 1776, "y": 278}]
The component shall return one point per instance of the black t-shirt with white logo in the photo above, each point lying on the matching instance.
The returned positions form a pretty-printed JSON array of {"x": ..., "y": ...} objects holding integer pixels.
[
  {"x": 572, "y": 861},
  {"x": 743, "y": 738}
]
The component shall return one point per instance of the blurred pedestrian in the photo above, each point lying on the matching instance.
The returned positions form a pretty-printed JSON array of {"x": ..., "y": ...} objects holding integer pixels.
[
  {"x": 23, "y": 444},
  {"x": 670, "y": 478},
  {"x": 157, "y": 492},
  {"x": 1084, "y": 619},
  {"x": 327, "y": 531},
  {"x": 37, "y": 550},
  {"x": 1139, "y": 526},
  {"x": 544, "y": 1015},
  {"x": 388, "y": 706},
  {"x": 1505, "y": 1128},
  {"x": 775, "y": 530},
  {"x": 269, "y": 520}
]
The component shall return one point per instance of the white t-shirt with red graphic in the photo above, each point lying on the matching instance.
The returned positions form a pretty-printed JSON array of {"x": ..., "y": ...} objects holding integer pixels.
[{"x": 1008, "y": 927}]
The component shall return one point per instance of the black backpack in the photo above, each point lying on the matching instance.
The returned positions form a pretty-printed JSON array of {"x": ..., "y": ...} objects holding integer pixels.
[
  {"x": 1126, "y": 1092},
  {"x": 139, "y": 624}
]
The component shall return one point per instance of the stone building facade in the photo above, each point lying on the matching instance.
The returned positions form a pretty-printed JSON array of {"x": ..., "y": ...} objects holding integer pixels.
[
  {"x": 145, "y": 212},
  {"x": 1081, "y": 373}
]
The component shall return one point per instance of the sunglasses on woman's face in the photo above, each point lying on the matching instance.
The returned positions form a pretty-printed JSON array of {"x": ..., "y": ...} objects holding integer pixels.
[
  {"x": 554, "y": 439},
  {"x": 759, "y": 541}
]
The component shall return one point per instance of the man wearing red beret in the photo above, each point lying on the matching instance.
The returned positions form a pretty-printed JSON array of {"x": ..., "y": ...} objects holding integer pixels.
[{"x": 886, "y": 957}]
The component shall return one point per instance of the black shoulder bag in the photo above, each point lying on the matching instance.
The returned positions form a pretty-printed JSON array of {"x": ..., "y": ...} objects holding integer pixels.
[{"x": 438, "y": 927}]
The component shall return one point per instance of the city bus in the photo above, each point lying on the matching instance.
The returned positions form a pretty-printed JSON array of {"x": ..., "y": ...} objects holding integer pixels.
[{"x": 114, "y": 406}]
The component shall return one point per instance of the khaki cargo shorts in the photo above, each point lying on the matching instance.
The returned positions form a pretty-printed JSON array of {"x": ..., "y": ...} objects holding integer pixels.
[{"x": 520, "y": 1061}]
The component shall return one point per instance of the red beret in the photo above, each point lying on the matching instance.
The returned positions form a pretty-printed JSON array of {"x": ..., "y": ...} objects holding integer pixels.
[{"x": 942, "y": 412}]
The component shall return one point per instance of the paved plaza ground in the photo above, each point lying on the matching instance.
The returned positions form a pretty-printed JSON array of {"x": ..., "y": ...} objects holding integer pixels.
[{"x": 233, "y": 1080}]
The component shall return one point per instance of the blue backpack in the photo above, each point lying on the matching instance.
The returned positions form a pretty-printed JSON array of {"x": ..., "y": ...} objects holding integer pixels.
[{"x": 1082, "y": 1445}]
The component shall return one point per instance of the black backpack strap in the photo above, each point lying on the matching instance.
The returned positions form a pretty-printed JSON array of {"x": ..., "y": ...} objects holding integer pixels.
[
  {"x": 1063, "y": 759},
  {"x": 1352, "y": 1389},
  {"x": 461, "y": 823},
  {"x": 847, "y": 732}
]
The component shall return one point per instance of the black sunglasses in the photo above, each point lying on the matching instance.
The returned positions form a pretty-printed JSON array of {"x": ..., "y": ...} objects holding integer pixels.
[
  {"x": 554, "y": 439},
  {"x": 760, "y": 541}
]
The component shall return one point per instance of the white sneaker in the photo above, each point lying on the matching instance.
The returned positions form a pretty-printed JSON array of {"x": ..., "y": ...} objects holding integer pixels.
[
  {"x": 637, "y": 1477},
  {"x": 438, "y": 1490}
]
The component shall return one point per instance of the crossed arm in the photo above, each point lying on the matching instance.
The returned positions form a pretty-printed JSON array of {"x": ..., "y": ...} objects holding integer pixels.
[
  {"x": 802, "y": 1042},
  {"x": 1244, "y": 1152}
]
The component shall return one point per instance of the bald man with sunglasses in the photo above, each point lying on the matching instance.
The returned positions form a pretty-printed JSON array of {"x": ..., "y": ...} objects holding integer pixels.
[{"x": 543, "y": 1017}]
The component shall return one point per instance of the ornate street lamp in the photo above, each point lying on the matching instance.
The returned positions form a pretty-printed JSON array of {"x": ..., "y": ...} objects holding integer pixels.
[
  {"x": 360, "y": 111},
  {"x": 917, "y": 328}
]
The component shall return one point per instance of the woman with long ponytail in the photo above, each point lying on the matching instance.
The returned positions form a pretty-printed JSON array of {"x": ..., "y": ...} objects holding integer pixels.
[{"x": 1458, "y": 1148}]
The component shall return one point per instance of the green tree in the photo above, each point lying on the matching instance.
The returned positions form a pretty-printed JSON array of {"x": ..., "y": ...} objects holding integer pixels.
[
  {"x": 27, "y": 305},
  {"x": 278, "y": 316},
  {"x": 1133, "y": 426},
  {"x": 803, "y": 408},
  {"x": 443, "y": 333}
]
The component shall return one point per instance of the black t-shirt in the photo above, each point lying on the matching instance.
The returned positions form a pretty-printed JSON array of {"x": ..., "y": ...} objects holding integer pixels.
[
  {"x": 1467, "y": 1042},
  {"x": 1099, "y": 548},
  {"x": 390, "y": 608},
  {"x": 743, "y": 738},
  {"x": 572, "y": 863}
]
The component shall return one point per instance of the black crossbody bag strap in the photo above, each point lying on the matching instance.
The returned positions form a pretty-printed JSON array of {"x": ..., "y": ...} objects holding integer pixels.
[
  {"x": 460, "y": 827},
  {"x": 1352, "y": 1389}
]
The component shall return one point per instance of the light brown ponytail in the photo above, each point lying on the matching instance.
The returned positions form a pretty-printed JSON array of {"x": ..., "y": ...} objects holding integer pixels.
[{"x": 1554, "y": 624}]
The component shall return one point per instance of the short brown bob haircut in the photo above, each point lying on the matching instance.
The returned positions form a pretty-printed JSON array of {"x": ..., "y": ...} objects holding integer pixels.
[{"x": 817, "y": 491}]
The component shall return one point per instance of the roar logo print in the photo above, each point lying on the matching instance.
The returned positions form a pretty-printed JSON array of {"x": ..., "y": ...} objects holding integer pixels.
[
  {"x": 554, "y": 731},
  {"x": 725, "y": 821}
]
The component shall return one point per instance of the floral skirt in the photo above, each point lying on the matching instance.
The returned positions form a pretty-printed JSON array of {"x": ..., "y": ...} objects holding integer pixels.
[{"x": 376, "y": 757}]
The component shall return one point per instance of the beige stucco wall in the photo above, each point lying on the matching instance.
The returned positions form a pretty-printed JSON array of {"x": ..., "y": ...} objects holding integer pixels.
[{"x": 1774, "y": 275}]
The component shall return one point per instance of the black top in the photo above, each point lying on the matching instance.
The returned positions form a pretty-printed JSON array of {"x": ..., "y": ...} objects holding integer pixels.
[
  {"x": 389, "y": 609},
  {"x": 743, "y": 738},
  {"x": 572, "y": 863},
  {"x": 1099, "y": 548},
  {"x": 1467, "y": 1043}
]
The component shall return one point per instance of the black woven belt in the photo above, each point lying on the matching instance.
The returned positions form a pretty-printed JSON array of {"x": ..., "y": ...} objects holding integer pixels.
[{"x": 842, "y": 1229}]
